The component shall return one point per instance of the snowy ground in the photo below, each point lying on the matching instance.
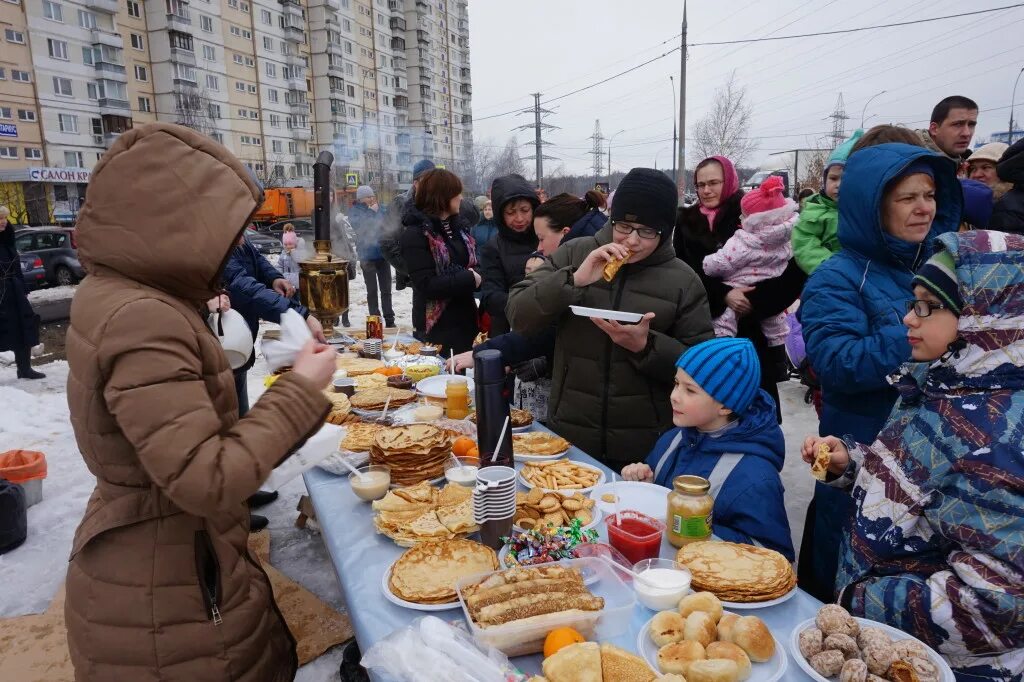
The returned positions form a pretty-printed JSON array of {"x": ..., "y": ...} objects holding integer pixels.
[{"x": 34, "y": 416}]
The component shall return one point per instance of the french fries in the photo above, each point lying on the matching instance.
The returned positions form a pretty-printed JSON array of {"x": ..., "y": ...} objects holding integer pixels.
[{"x": 561, "y": 474}]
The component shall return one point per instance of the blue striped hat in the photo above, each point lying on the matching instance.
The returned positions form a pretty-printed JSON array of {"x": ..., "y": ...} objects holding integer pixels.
[{"x": 727, "y": 369}]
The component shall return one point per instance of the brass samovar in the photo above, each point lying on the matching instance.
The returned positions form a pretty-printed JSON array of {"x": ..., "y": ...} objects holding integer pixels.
[{"x": 323, "y": 279}]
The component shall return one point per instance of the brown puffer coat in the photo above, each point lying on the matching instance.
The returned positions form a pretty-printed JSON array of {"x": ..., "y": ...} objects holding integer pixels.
[{"x": 160, "y": 584}]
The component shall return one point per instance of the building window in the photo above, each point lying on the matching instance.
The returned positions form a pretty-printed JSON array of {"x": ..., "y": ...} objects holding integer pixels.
[
  {"x": 233, "y": 4},
  {"x": 3, "y": 74},
  {"x": 209, "y": 53},
  {"x": 213, "y": 82},
  {"x": 58, "y": 49},
  {"x": 53, "y": 11},
  {"x": 92, "y": 91},
  {"x": 214, "y": 111},
  {"x": 180, "y": 41},
  {"x": 33, "y": 154},
  {"x": 90, "y": 55},
  {"x": 244, "y": 6},
  {"x": 185, "y": 72},
  {"x": 133, "y": 9},
  {"x": 8, "y": 152},
  {"x": 144, "y": 105},
  {"x": 239, "y": 86},
  {"x": 62, "y": 86},
  {"x": 348, "y": 47},
  {"x": 350, "y": 91},
  {"x": 97, "y": 126},
  {"x": 272, "y": 95},
  {"x": 346, "y": 25},
  {"x": 73, "y": 159},
  {"x": 5, "y": 112},
  {"x": 141, "y": 74},
  {"x": 26, "y": 115},
  {"x": 206, "y": 23},
  {"x": 266, "y": 17},
  {"x": 271, "y": 70},
  {"x": 252, "y": 89},
  {"x": 21, "y": 76},
  {"x": 238, "y": 59},
  {"x": 86, "y": 19},
  {"x": 268, "y": 43},
  {"x": 275, "y": 121},
  {"x": 276, "y": 146},
  {"x": 136, "y": 40},
  {"x": 13, "y": 36},
  {"x": 68, "y": 123},
  {"x": 249, "y": 61},
  {"x": 236, "y": 31}
]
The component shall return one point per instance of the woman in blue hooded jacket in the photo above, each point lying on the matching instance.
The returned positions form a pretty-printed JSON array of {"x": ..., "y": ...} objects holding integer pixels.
[{"x": 896, "y": 199}]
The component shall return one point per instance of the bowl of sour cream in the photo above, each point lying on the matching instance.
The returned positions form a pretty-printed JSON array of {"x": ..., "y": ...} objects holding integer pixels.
[{"x": 660, "y": 583}]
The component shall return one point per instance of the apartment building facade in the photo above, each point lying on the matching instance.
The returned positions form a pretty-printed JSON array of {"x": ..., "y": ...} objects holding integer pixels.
[{"x": 379, "y": 83}]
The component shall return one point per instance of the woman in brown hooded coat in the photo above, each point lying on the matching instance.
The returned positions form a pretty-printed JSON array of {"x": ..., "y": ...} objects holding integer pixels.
[{"x": 160, "y": 584}]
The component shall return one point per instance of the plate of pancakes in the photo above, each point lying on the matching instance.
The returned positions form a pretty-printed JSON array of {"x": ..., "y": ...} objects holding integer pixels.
[
  {"x": 742, "y": 576},
  {"x": 424, "y": 577}
]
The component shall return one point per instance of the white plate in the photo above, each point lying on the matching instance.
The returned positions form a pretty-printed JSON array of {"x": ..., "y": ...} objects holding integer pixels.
[
  {"x": 769, "y": 671},
  {"x": 646, "y": 498},
  {"x": 894, "y": 634},
  {"x": 433, "y": 481},
  {"x": 524, "y": 429},
  {"x": 603, "y": 314},
  {"x": 390, "y": 596},
  {"x": 746, "y": 606},
  {"x": 567, "y": 491},
  {"x": 520, "y": 457},
  {"x": 434, "y": 387}
]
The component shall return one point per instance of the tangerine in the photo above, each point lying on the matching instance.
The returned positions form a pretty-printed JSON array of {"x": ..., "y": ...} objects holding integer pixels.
[
  {"x": 559, "y": 638},
  {"x": 462, "y": 445}
]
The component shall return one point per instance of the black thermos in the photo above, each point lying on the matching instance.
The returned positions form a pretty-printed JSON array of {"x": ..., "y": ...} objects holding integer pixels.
[{"x": 492, "y": 409}]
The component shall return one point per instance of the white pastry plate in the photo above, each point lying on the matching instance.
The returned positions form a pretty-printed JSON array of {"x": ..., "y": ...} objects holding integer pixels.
[
  {"x": 747, "y": 606},
  {"x": 568, "y": 491},
  {"x": 769, "y": 671},
  {"x": 434, "y": 387},
  {"x": 646, "y": 498},
  {"x": 945, "y": 673},
  {"x": 433, "y": 481},
  {"x": 397, "y": 601},
  {"x": 603, "y": 314},
  {"x": 520, "y": 457}
]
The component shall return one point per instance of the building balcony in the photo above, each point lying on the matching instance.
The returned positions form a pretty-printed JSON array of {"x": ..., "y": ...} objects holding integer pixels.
[
  {"x": 107, "y": 38},
  {"x": 110, "y": 138},
  {"x": 464, "y": 73},
  {"x": 467, "y": 119},
  {"x": 304, "y": 134},
  {"x": 298, "y": 108},
  {"x": 291, "y": 8},
  {"x": 302, "y": 157},
  {"x": 422, "y": 6},
  {"x": 403, "y": 140},
  {"x": 114, "y": 107},
  {"x": 293, "y": 34},
  {"x": 401, "y": 102},
  {"x": 295, "y": 60},
  {"x": 111, "y": 72},
  {"x": 335, "y": 49},
  {"x": 397, "y": 23},
  {"x": 424, "y": 91},
  {"x": 422, "y": 37},
  {"x": 178, "y": 22},
  {"x": 335, "y": 69},
  {"x": 297, "y": 84},
  {"x": 400, "y": 63},
  {"x": 463, "y": 25},
  {"x": 396, "y": 5},
  {"x": 107, "y": 6},
  {"x": 333, "y": 4},
  {"x": 397, "y": 43},
  {"x": 466, "y": 89},
  {"x": 187, "y": 57}
]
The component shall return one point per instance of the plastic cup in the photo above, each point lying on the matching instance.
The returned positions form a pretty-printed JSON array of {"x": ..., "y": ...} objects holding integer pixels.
[{"x": 638, "y": 536}]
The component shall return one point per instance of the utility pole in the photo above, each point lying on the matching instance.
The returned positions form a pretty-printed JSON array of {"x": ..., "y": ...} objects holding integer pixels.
[
  {"x": 682, "y": 112},
  {"x": 839, "y": 119},
  {"x": 598, "y": 150},
  {"x": 538, "y": 127}
]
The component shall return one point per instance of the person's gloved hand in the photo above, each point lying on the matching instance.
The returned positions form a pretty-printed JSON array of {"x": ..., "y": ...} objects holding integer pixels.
[{"x": 531, "y": 370}]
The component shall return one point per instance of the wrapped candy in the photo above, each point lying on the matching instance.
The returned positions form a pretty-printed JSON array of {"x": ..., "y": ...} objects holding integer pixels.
[{"x": 546, "y": 544}]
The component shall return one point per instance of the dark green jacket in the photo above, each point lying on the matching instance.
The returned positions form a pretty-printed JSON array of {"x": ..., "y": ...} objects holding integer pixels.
[{"x": 609, "y": 402}]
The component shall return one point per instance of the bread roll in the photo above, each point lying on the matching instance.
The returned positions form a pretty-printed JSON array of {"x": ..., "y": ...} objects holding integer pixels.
[
  {"x": 700, "y": 627},
  {"x": 811, "y": 642},
  {"x": 854, "y": 670},
  {"x": 844, "y": 643},
  {"x": 725, "y": 627},
  {"x": 827, "y": 663},
  {"x": 677, "y": 657},
  {"x": 833, "y": 619},
  {"x": 730, "y": 652},
  {"x": 926, "y": 670},
  {"x": 752, "y": 635},
  {"x": 908, "y": 648},
  {"x": 718, "y": 670},
  {"x": 701, "y": 601},
  {"x": 667, "y": 627},
  {"x": 878, "y": 657},
  {"x": 868, "y": 636}
]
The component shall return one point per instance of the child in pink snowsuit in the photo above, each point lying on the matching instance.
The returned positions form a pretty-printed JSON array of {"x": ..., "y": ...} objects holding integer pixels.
[{"x": 760, "y": 250}]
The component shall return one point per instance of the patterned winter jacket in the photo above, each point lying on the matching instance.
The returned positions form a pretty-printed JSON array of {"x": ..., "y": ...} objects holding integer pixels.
[
  {"x": 937, "y": 546},
  {"x": 759, "y": 250}
]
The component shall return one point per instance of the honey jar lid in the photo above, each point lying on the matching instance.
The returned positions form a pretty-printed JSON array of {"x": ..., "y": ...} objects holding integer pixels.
[{"x": 691, "y": 485}]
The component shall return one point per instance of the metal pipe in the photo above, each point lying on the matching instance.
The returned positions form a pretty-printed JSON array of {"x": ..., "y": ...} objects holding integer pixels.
[
  {"x": 1012, "y": 98},
  {"x": 322, "y": 196}
]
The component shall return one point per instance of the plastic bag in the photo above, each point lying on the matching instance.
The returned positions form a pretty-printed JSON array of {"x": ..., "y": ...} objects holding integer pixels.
[
  {"x": 294, "y": 335},
  {"x": 450, "y": 654}
]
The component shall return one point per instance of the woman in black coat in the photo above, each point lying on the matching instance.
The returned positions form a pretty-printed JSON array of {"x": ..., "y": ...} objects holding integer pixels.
[
  {"x": 701, "y": 230},
  {"x": 503, "y": 258},
  {"x": 440, "y": 255},
  {"x": 19, "y": 325}
]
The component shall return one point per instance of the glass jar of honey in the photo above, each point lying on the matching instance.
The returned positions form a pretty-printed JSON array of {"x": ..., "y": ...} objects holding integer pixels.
[
  {"x": 457, "y": 398},
  {"x": 690, "y": 510}
]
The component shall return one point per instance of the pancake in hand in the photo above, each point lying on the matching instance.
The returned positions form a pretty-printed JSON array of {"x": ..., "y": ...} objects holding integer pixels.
[
  {"x": 611, "y": 268},
  {"x": 822, "y": 458}
]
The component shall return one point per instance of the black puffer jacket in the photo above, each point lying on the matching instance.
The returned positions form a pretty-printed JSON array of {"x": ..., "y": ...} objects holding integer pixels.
[
  {"x": 503, "y": 258},
  {"x": 1008, "y": 213},
  {"x": 457, "y": 326},
  {"x": 19, "y": 325}
]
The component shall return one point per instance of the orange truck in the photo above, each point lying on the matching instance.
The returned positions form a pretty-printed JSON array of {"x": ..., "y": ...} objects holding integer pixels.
[{"x": 287, "y": 203}]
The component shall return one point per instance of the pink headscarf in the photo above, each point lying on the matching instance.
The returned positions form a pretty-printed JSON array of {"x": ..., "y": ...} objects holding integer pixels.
[{"x": 730, "y": 185}]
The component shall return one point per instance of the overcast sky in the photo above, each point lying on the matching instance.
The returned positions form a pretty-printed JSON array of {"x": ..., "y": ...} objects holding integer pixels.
[{"x": 554, "y": 46}]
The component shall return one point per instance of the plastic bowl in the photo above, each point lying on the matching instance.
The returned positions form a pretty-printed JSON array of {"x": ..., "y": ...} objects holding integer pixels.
[
  {"x": 660, "y": 583},
  {"x": 374, "y": 489}
]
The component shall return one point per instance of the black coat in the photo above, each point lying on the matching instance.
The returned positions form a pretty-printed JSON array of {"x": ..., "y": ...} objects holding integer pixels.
[
  {"x": 457, "y": 326},
  {"x": 19, "y": 325},
  {"x": 694, "y": 241},
  {"x": 1008, "y": 213},
  {"x": 503, "y": 258}
]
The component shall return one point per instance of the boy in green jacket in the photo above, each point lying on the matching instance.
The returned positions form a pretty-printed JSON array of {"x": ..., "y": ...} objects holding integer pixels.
[{"x": 816, "y": 234}]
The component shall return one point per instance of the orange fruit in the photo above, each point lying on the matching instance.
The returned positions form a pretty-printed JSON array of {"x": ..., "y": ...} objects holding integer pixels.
[
  {"x": 559, "y": 638},
  {"x": 462, "y": 445},
  {"x": 473, "y": 453}
]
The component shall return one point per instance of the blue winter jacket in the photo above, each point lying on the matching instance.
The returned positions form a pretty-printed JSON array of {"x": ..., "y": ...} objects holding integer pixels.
[
  {"x": 249, "y": 278},
  {"x": 368, "y": 226},
  {"x": 483, "y": 232},
  {"x": 587, "y": 226},
  {"x": 852, "y": 315},
  {"x": 742, "y": 461}
]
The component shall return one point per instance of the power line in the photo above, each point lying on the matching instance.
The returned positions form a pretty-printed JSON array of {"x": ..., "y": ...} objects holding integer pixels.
[{"x": 855, "y": 30}]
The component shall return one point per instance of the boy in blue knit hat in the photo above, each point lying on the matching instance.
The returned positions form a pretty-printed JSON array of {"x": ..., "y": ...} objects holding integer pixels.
[{"x": 727, "y": 433}]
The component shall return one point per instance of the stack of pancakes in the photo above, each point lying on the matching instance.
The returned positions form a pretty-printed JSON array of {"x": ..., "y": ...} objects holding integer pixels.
[
  {"x": 374, "y": 399},
  {"x": 427, "y": 573},
  {"x": 340, "y": 407},
  {"x": 356, "y": 366},
  {"x": 737, "y": 573},
  {"x": 422, "y": 513},
  {"x": 359, "y": 437},
  {"x": 533, "y": 593},
  {"x": 415, "y": 452}
]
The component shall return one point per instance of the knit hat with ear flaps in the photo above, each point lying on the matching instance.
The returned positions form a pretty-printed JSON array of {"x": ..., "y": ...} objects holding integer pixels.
[
  {"x": 647, "y": 197},
  {"x": 727, "y": 369},
  {"x": 938, "y": 275}
]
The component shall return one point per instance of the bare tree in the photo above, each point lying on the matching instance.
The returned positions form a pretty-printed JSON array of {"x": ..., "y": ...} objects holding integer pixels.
[
  {"x": 272, "y": 173},
  {"x": 724, "y": 130},
  {"x": 812, "y": 175},
  {"x": 508, "y": 161},
  {"x": 477, "y": 169},
  {"x": 192, "y": 105}
]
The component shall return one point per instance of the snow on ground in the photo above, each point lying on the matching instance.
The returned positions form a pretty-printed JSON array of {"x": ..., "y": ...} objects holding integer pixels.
[
  {"x": 35, "y": 416},
  {"x": 50, "y": 294}
]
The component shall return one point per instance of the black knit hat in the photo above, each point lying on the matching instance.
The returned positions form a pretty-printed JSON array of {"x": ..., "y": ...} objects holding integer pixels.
[{"x": 648, "y": 197}]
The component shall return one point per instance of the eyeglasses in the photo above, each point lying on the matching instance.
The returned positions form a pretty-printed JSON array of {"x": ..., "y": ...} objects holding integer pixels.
[
  {"x": 711, "y": 184},
  {"x": 644, "y": 232},
  {"x": 924, "y": 308}
]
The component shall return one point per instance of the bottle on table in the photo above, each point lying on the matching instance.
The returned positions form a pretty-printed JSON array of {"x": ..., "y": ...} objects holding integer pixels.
[
  {"x": 492, "y": 409},
  {"x": 457, "y": 398},
  {"x": 690, "y": 510}
]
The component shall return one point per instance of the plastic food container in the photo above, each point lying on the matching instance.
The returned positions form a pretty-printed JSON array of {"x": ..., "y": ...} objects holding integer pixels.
[
  {"x": 636, "y": 535},
  {"x": 660, "y": 583},
  {"x": 519, "y": 638}
]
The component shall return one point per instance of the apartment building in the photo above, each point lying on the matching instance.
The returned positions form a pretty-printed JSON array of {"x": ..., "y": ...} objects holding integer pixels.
[{"x": 380, "y": 83}]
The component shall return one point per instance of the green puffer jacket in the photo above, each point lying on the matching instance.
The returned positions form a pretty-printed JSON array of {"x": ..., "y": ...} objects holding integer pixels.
[
  {"x": 816, "y": 234},
  {"x": 609, "y": 402}
]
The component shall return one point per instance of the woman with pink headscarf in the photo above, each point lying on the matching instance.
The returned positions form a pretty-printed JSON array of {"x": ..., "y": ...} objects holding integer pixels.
[{"x": 704, "y": 228}]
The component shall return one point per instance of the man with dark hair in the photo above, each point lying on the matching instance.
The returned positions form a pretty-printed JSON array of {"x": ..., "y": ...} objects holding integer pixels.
[{"x": 952, "y": 126}]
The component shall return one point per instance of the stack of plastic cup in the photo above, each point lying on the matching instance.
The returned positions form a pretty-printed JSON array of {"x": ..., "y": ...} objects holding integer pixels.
[
  {"x": 494, "y": 503},
  {"x": 372, "y": 348}
]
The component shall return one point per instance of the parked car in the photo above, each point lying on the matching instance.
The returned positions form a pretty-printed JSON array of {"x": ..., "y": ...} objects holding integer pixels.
[
  {"x": 57, "y": 248},
  {"x": 265, "y": 243},
  {"x": 33, "y": 271}
]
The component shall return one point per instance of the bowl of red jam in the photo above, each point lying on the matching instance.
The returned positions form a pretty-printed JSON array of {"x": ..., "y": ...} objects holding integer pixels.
[{"x": 637, "y": 536}]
